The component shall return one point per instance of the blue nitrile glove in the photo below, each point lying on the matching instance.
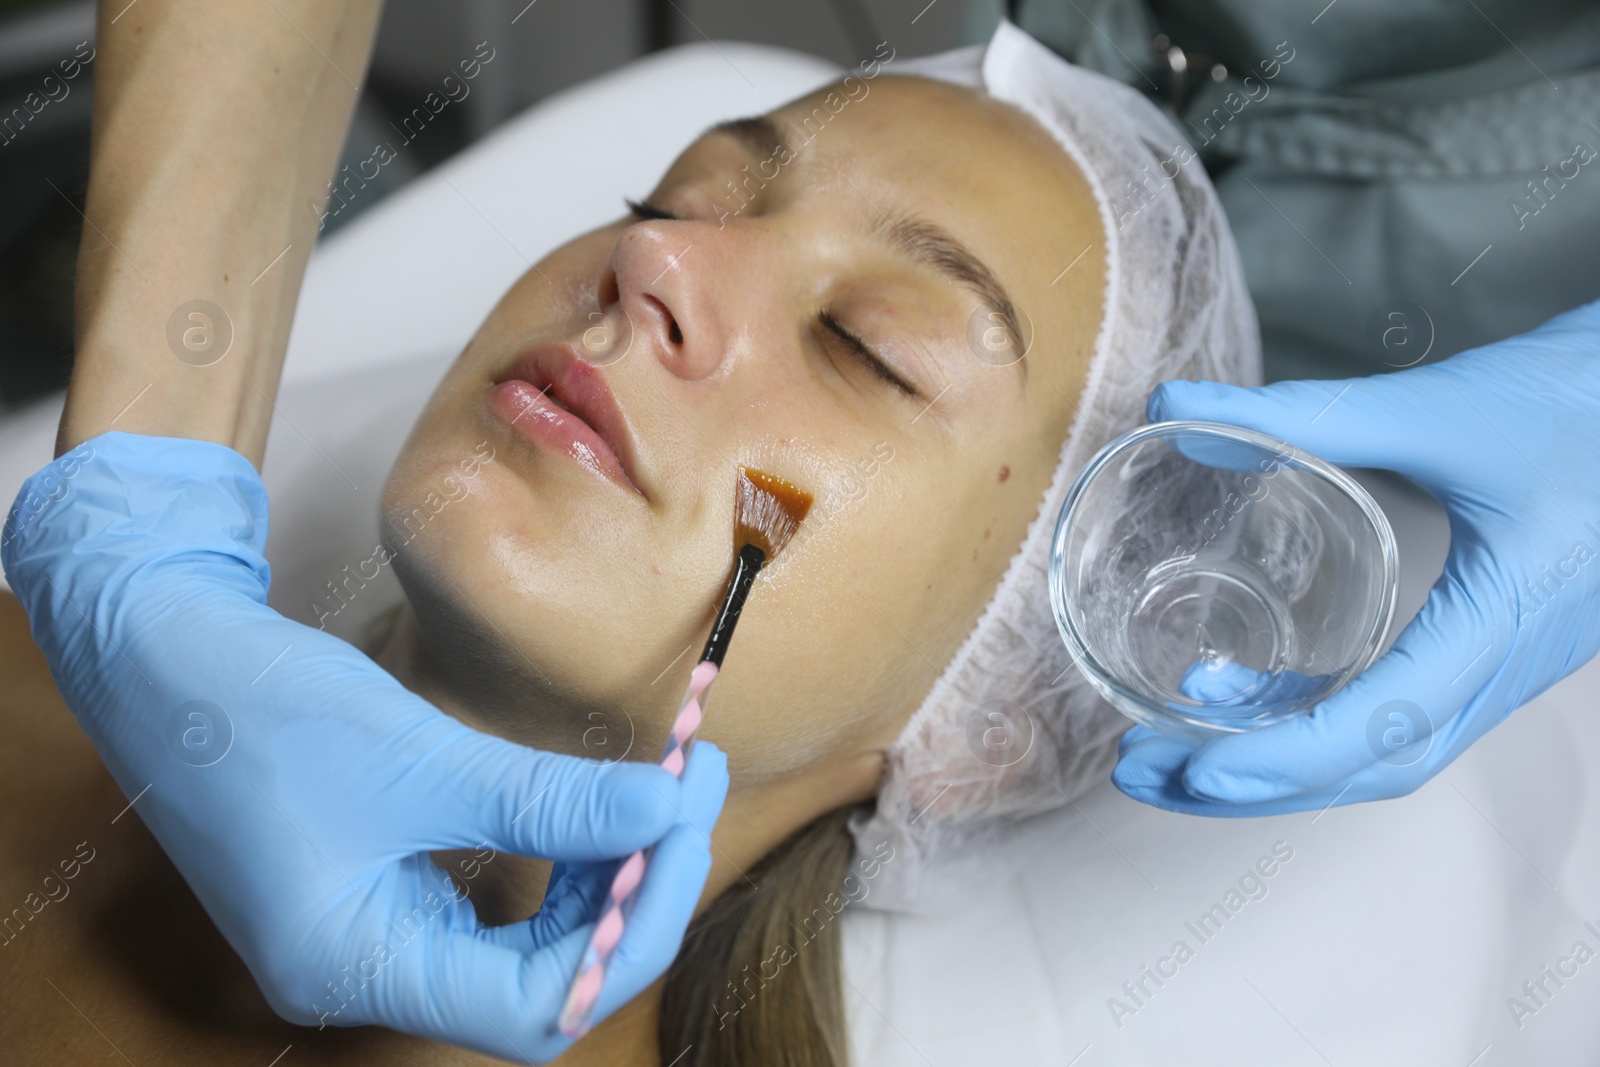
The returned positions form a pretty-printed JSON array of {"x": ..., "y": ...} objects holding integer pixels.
[
  {"x": 1225, "y": 684},
  {"x": 1507, "y": 438},
  {"x": 300, "y": 788}
]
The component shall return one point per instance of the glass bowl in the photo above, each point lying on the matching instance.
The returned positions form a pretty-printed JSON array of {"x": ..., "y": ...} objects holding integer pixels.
[{"x": 1209, "y": 579}]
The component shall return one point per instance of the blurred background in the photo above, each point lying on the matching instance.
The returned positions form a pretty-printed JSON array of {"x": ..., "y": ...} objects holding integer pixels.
[{"x": 550, "y": 44}]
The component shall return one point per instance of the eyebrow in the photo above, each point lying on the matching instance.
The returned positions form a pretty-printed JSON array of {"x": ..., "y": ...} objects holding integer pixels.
[
  {"x": 758, "y": 133},
  {"x": 912, "y": 236}
]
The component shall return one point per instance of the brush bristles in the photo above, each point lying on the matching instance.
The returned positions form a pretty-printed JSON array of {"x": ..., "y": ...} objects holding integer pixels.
[{"x": 767, "y": 511}]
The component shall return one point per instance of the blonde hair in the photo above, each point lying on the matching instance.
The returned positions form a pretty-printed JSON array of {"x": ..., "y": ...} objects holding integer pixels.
[{"x": 755, "y": 981}]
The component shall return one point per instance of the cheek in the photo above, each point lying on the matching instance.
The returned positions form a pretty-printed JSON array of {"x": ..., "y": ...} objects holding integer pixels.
[
  {"x": 850, "y": 631},
  {"x": 928, "y": 541},
  {"x": 550, "y": 299}
]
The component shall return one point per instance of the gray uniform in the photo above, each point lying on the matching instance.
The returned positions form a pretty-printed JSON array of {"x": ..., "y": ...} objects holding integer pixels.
[{"x": 1406, "y": 179}]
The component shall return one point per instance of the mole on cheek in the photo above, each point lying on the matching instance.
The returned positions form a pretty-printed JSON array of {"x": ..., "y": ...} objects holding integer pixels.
[{"x": 1005, "y": 472}]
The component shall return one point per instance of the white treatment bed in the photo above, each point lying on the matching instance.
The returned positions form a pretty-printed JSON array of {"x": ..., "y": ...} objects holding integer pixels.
[{"x": 1394, "y": 934}]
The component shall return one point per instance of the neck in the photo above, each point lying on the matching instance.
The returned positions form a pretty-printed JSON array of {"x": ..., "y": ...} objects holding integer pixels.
[{"x": 510, "y": 888}]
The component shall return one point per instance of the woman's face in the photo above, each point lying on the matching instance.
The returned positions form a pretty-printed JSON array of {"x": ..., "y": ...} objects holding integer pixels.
[{"x": 818, "y": 294}]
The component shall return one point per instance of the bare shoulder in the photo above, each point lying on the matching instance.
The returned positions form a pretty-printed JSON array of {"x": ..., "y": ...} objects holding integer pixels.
[{"x": 102, "y": 945}]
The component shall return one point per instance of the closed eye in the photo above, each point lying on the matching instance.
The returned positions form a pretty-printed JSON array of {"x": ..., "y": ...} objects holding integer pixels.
[
  {"x": 643, "y": 209},
  {"x": 646, "y": 210},
  {"x": 864, "y": 353}
]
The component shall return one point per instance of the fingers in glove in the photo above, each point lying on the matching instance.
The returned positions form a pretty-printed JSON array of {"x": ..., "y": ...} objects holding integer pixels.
[
  {"x": 672, "y": 886},
  {"x": 1151, "y": 772},
  {"x": 1386, "y": 719},
  {"x": 1383, "y": 422},
  {"x": 536, "y": 803}
]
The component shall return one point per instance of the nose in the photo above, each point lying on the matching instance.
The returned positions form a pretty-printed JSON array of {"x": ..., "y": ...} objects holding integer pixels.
[{"x": 665, "y": 291}]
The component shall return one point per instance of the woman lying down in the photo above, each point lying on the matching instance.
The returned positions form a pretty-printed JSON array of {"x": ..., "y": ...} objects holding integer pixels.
[{"x": 964, "y": 284}]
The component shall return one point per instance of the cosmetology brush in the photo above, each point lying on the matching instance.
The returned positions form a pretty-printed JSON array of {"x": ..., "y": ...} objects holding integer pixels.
[{"x": 767, "y": 512}]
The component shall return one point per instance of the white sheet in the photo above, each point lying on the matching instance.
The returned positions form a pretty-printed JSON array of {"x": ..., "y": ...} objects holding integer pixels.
[{"x": 1394, "y": 935}]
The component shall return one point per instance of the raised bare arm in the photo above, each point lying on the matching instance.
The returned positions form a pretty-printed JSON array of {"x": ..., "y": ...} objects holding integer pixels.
[{"x": 214, "y": 126}]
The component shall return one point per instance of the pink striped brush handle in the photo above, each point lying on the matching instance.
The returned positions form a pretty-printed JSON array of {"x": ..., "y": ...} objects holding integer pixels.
[{"x": 591, "y": 976}]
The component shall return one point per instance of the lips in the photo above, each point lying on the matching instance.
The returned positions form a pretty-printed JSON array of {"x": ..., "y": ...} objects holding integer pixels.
[{"x": 556, "y": 399}]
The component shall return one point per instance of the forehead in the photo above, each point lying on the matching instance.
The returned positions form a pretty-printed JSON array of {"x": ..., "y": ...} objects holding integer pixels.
[
  {"x": 924, "y": 118},
  {"x": 982, "y": 169}
]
